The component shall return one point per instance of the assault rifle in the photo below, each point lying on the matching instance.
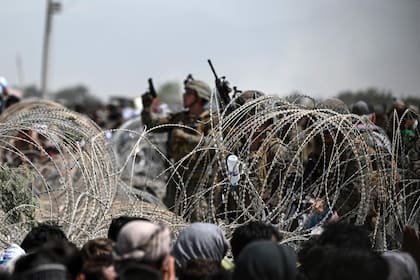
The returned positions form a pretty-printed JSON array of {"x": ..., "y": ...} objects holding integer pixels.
[{"x": 222, "y": 87}]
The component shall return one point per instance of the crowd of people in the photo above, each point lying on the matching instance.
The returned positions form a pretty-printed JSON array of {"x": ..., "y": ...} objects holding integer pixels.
[{"x": 137, "y": 248}]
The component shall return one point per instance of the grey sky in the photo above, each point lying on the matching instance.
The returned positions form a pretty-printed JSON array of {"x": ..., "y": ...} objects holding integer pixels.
[{"x": 318, "y": 47}]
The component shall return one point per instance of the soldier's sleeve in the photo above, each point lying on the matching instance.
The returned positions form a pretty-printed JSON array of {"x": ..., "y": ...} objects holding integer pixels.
[
  {"x": 203, "y": 128},
  {"x": 147, "y": 120}
]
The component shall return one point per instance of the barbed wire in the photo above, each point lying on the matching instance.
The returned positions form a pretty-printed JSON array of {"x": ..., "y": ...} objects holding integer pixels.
[{"x": 289, "y": 156}]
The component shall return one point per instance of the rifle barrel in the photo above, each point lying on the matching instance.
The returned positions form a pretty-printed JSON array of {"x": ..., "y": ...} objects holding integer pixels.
[{"x": 212, "y": 68}]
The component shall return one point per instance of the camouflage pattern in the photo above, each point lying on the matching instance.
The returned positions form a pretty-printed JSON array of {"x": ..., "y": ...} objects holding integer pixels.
[
  {"x": 333, "y": 104},
  {"x": 184, "y": 179},
  {"x": 202, "y": 89}
]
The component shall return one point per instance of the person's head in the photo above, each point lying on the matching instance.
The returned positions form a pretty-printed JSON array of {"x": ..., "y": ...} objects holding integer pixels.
[
  {"x": 39, "y": 265},
  {"x": 248, "y": 96},
  {"x": 360, "y": 108},
  {"x": 67, "y": 254},
  {"x": 356, "y": 263},
  {"x": 97, "y": 259},
  {"x": 40, "y": 234},
  {"x": 402, "y": 266},
  {"x": 266, "y": 260},
  {"x": 198, "y": 269},
  {"x": 327, "y": 262},
  {"x": 200, "y": 241},
  {"x": 196, "y": 92},
  {"x": 93, "y": 271},
  {"x": 144, "y": 243},
  {"x": 58, "y": 259},
  {"x": 250, "y": 232},
  {"x": 333, "y": 104},
  {"x": 135, "y": 270},
  {"x": 12, "y": 99},
  {"x": 97, "y": 248},
  {"x": 343, "y": 235},
  {"x": 118, "y": 222},
  {"x": 244, "y": 98},
  {"x": 409, "y": 117},
  {"x": 314, "y": 259},
  {"x": 398, "y": 104},
  {"x": 365, "y": 110},
  {"x": 305, "y": 102}
]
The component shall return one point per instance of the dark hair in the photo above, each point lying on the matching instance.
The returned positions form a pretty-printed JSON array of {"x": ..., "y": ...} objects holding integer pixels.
[
  {"x": 4, "y": 275},
  {"x": 40, "y": 234},
  {"x": 135, "y": 270},
  {"x": 330, "y": 262},
  {"x": 66, "y": 253},
  {"x": 306, "y": 247},
  {"x": 250, "y": 232},
  {"x": 118, "y": 223},
  {"x": 220, "y": 275},
  {"x": 314, "y": 262},
  {"x": 357, "y": 264},
  {"x": 343, "y": 235},
  {"x": 98, "y": 250},
  {"x": 93, "y": 271},
  {"x": 54, "y": 260},
  {"x": 198, "y": 269},
  {"x": 12, "y": 99}
]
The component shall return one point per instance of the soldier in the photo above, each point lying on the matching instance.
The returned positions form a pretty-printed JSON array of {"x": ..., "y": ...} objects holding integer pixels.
[
  {"x": 182, "y": 141},
  {"x": 323, "y": 168},
  {"x": 264, "y": 155}
]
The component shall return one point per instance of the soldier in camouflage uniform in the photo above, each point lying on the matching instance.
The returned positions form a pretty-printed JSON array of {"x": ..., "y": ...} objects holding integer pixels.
[
  {"x": 266, "y": 158},
  {"x": 182, "y": 141},
  {"x": 321, "y": 171},
  {"x": 366, "y": 168}
]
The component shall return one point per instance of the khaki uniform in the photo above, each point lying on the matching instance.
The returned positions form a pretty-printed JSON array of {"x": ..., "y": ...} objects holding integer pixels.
[
  {"x": 270, "y": 172},
  {"x": 183, "y": 183}
]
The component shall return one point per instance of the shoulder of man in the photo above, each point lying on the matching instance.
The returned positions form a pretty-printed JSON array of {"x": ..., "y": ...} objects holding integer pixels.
[{"x": 205, "y": 115}]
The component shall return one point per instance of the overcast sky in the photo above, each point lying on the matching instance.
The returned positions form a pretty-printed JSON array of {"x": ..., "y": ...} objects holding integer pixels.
[{"x": 318, "y": 47}]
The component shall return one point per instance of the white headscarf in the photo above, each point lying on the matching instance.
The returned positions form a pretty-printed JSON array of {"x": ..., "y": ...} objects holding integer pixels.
[{"x": 143, "y": 241}]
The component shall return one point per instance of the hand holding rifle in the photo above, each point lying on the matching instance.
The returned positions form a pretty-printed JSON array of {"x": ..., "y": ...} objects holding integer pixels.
[
  {"x": 222, "y": 86},
  {"x": 148, "y": 97}
]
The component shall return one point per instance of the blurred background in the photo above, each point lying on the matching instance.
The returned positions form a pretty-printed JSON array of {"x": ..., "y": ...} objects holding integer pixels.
[{"x": 102, "y": 50}]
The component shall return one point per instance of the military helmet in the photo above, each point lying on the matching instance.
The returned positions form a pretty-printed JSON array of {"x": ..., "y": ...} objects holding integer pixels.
[
  {"x": 361, "y": 108},
  {"x": 247, "y": 96},
  {"x": 333, "y": 104},
  {"x": 203, "y": 90},
  {"x": 305, "y": 102}
]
